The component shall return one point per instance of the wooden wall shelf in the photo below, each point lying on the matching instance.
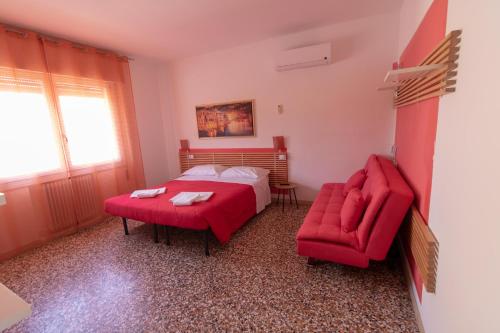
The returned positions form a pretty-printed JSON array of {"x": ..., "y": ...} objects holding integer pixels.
[
  {"x": 396, "y": 77},
  {"x": 424, "y": 247},
  {"x": 432, "y": 78}
]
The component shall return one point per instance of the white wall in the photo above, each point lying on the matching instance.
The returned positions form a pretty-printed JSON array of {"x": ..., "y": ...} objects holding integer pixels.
[
  {"x": 146, "y": 91},
  {"x": 170, "y": 128},
  {"x": 411, "y": 14},
  {"x": 334, "y": 117},
  {"x": 464, "y": 204}
]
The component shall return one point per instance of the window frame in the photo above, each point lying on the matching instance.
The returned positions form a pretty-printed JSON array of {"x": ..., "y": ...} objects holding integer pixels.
[
  {"x": 30, "y": 81},
  {"x": 51, "y": 95}
]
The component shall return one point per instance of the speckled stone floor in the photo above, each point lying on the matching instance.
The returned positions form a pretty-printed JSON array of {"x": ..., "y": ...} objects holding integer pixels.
[{"x": 100, "y": 280}]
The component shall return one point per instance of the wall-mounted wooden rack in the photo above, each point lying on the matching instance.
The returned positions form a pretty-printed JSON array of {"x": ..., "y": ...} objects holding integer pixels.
[
  {"x": 396, "y": 77},
  {"x": 433, "y": 77},
  {"x": 424, "y": 247}
]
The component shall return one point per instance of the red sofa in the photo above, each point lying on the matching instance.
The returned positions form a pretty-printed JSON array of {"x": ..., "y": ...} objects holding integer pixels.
[{"x": 387, "y": 198}]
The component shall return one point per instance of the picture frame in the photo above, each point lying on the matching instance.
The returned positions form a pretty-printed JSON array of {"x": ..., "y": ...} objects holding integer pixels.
[{"x": 226, "y": 120}]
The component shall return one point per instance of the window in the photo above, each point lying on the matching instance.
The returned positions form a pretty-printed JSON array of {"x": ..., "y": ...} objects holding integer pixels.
[
  {"x": 89, "y": 128},
  {"x": 30, "y": 128},
  {"x": 28, "y": 137}
]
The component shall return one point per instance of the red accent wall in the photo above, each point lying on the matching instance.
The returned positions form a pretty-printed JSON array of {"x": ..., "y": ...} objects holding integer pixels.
[{"x": 416, "y": 124}]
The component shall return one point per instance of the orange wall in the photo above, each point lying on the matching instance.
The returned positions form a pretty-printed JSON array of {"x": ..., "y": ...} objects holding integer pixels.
[{"x": 416, "y": 124}]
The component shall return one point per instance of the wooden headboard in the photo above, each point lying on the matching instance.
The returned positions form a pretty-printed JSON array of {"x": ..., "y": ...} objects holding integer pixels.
[{"x": 268, "y": 158}]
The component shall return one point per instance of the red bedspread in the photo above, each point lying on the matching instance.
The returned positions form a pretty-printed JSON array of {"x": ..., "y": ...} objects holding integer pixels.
[{"x": 226, "y": 211}]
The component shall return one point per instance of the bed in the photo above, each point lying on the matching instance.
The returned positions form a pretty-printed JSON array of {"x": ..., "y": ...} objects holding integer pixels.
[{"x": 234, "y": 202}]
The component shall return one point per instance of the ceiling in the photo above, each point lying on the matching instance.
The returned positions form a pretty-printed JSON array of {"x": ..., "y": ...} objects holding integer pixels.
[{"x": 172, "y": 29}]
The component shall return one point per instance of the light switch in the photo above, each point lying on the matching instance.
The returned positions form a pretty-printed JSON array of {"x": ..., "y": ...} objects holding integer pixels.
[
  {"x": 280, "y": 108},
  {"x": 3, "y": 200}
]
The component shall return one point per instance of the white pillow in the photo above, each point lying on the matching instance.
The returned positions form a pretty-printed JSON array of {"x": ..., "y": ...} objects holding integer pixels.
[
  {"x": 244, "y": 172},
  {"x": 205, "y": 170}
]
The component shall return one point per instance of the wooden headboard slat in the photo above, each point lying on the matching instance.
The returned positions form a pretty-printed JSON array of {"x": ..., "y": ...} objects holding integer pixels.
[{"x": 263, "y": 158}]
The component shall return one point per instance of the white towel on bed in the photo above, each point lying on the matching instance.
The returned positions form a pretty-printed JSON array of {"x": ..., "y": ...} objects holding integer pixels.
[
  {"x": 203, "y": 196},
  {"x": 184, "y": 198},
  {"x": 148, "y": 193},
  {"x": 187, "y": 198}
]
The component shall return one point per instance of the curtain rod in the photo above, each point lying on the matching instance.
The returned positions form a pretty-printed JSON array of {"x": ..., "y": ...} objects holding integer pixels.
[{"x": 24, "y": 34}]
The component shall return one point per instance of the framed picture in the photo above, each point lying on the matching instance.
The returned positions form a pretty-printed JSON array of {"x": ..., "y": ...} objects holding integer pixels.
[{"x": 222, "y": 120}]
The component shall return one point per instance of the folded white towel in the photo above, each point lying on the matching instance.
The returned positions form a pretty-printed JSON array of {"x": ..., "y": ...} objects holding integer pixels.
[
  {"x": 184, "y": 198},
  {"x": 187, "y": 198},
  {"x": 203, "y": 196},
  {"x": 140, "y": 194}
]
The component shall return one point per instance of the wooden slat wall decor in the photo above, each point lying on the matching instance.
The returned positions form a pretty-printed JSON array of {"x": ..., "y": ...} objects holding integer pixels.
[
  {"x": 424, "y": 246},
  {"x": 437, "y": 83},
  {"x": 263, "y": 158}
]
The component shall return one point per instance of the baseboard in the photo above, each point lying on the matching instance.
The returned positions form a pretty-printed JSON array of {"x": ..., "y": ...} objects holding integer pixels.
[{"x": 409, "y": 282}]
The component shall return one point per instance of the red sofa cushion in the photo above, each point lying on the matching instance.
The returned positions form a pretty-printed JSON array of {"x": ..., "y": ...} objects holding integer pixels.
[
  {"x": 352, "y": 210},
  {"x": 375, "y": 191},
  {"x": 355, "y": 181},
  {"x": 322, "y": 222},
  {"x": 375, "y": 179},
  {"x": 377, "y": 200},
  {"x": 370, "y": 164},
  {"x": 392, "y": 213}
]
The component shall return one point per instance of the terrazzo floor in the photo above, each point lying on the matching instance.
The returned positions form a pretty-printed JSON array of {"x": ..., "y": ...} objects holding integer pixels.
[{"x": 100, "y": 280}]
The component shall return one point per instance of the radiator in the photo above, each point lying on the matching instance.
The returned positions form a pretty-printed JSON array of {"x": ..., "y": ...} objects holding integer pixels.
[
  {"x": 85, "y": 197},
  {"x": 60, "y": 199},
  {"x": 72, "y": 201}
]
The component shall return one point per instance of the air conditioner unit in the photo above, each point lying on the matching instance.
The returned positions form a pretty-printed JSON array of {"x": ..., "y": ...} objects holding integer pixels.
[{"x": 315, "y": 55}]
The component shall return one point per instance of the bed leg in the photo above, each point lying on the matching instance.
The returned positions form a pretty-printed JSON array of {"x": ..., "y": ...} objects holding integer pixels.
[
  {"x": 125, "y": 227},
  {"x": 155, "y": 233},
  {"x": 296, "y": 202},
  {"x": 207, "y": 234},
  {"x": 167, "y": 235},
  {"x": 312, "y": 261},
  {"x": 283, "y": 199}
]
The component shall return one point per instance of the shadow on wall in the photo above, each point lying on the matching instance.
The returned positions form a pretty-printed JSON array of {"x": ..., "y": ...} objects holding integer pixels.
[
  {"x": 307, "y": 193},
  {"x": 344, "y": 47}
]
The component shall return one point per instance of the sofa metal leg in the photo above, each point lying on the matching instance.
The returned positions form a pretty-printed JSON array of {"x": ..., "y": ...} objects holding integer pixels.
[{"x": 125, "y": 227}]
